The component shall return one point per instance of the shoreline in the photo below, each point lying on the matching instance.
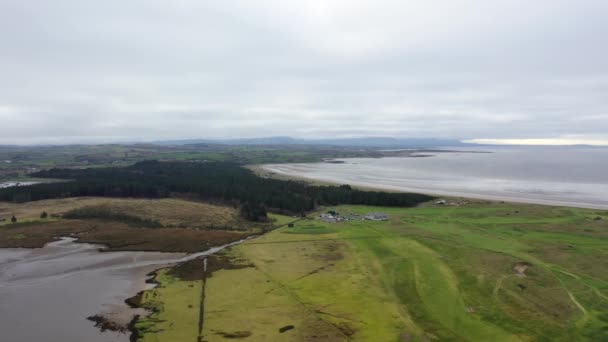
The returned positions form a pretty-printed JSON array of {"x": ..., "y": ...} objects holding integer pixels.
[
  {"x": 278, "y": 171},
  {"x": 69, "y": 276},
  {"x": 120, "y": 316},
  {"x": 136, "y": 301},
  {"x": 269, "y": 171}
]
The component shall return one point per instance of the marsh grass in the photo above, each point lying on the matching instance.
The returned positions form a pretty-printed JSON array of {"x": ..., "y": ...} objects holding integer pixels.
[{"x": 107, "y": 214}]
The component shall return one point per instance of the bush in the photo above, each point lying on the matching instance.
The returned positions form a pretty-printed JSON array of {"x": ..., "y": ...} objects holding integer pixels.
[{"x": 254, "y": 212}]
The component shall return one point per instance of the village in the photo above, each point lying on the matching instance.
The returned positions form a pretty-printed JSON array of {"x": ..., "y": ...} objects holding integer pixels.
[{"x": 333, "y": 216}]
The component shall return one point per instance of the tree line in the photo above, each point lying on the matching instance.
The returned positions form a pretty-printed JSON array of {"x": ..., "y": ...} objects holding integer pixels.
[{"x": 221, "y": 182}]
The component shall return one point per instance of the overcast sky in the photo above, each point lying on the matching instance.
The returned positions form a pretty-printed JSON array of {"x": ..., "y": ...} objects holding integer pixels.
[{"x": 102, "y": 71}]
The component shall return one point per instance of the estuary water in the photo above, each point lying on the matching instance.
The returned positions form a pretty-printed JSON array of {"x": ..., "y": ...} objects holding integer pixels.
[
  {"x": 46, "y": 294},
  {"x": 568, "y": 176}
]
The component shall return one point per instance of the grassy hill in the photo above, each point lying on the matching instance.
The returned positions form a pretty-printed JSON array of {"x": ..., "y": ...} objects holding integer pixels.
[{"x": 476, "y": 271}]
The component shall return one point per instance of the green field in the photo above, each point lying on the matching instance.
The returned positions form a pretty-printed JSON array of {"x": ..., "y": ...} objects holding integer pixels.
[
  {"x": 176, "y": 310},
  {"x": 476, "y": 271},
  {"x": 18, "y": 162}
]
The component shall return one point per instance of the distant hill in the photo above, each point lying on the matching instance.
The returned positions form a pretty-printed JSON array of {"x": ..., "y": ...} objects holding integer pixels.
[{"x": 382, "y": 142}]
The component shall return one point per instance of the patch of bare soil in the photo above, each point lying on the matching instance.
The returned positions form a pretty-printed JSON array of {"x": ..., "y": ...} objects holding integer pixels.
[
  {"x": 189, "y": 271},
  {"x": 104, "y": 324},
  {"x": 346, "y": 329},
  {"x": 234, "y": 335},
  {"x": 405, "y": 337},
  {"x": 520, "y": 268},
  {"x": 222, "y": 261},
  {"x": 286, "y": 328},
  {"x": 331, "y": 252},
  {"x": 135, "y": 301}
]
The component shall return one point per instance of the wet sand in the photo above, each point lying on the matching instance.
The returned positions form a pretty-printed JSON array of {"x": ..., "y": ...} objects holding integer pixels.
[
  {"x": 47, "y": 294},
  {"x": 501, "y": 176}
]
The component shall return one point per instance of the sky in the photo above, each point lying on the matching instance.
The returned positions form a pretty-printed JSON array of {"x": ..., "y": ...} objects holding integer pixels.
[{"x": 506, "y": 71}]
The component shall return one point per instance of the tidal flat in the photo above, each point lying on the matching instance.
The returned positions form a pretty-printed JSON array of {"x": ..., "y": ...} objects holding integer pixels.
[
  {"x": 574, "y": 176},
  {"x": 57, "y": 288},
  {"x": 52, "y": 290}
]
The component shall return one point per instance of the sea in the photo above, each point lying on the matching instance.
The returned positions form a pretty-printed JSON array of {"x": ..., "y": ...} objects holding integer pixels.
[{"x": 575, "y": 176}]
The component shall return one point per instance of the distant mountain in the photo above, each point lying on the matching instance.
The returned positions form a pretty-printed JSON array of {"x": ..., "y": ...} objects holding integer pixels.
[
  {"x": 380, "y": 142},
  {"x": 249, "y": 141},
  {"x": 388, "y": 142}
]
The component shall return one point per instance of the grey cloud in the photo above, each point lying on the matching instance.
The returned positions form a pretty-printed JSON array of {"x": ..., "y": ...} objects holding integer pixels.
[{"x": 84, "y": 71}]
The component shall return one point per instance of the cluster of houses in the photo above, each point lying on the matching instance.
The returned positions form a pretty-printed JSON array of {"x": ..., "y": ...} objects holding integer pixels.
[
  {"x": 332, "y": 216},
  {"x": 458, "y": 202}
]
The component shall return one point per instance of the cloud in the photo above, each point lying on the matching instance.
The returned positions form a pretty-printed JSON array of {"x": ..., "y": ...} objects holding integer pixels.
[{"x": 85, "y": 71}]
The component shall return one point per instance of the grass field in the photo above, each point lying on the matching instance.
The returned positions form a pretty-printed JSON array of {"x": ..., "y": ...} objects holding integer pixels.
[
  {"x": 479, "y": 271},
  {"x": 169, "y": 212},
  {"x": 180, "y": 225},
  {"x": 178, "y": 299}
]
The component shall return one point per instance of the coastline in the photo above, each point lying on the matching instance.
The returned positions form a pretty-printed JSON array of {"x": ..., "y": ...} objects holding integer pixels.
[
  {"x": 196, "y": 267},
  {"x": 115, "y": 312},
  {"x": 271, "y": 170},
  {"x": 290, "y": 172},
  {"x": 73, "y": 285}
]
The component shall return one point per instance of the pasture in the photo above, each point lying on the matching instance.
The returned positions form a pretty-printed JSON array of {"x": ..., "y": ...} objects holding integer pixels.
[{"x": 478, "y": 271}]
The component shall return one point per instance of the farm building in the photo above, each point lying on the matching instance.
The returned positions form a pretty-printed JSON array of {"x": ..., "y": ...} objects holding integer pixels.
[
  {"x": 376, "y": 217},
  {"x": 327, "y": 217}
]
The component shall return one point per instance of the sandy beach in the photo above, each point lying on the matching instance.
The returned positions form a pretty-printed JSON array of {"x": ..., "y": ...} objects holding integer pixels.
[{"x": 454, "y": 174}]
